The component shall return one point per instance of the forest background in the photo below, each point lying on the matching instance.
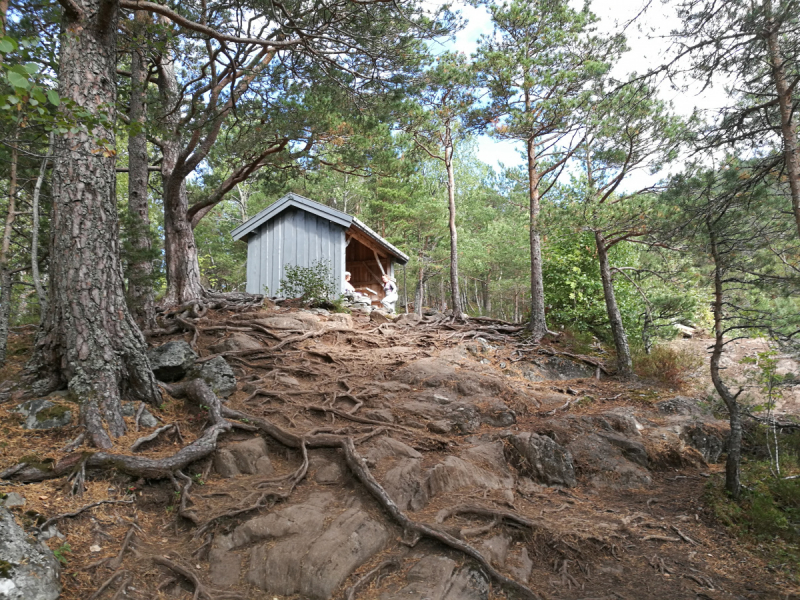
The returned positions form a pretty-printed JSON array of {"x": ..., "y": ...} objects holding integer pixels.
[{"x": 207, "y": 112}]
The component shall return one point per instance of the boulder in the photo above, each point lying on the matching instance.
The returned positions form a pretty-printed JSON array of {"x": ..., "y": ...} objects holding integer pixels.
[
  {"x": 28, "y": 569},
  {"x": 603, "y": 461},
  {"x": 146, "y": 419},
  {"x": 439, "y": 578},
  {"x": 12, "y": 500},
  {"x": 248, "y": 457},
  {"x": 380, "y": 317},
  {"x": 341, "y": 319},
  {"x": 236, "y": 343},
  {"x": 711, "y": 441},
  {"x": 679, "y": 405},
  {"x": 301, "y": 550},
  {"x": 171, "y": 361},
  {"x": 543, "y": 460},
  {"x": 298, "y": 321},
  {"x": 408, "y": 319},
  {"x": 40, "y": 413},
  {"x": 554, "y": 368},
  {"x": 217, "y": 373}
]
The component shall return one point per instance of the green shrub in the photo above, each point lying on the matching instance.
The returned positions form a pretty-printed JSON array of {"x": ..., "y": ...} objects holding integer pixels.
[{"x": 314, "y": 283}]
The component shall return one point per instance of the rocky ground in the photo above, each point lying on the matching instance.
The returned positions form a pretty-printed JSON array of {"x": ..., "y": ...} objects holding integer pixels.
[{"x": 413, "y": 460}]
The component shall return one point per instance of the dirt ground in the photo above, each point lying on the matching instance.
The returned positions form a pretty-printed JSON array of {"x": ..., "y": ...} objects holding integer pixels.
[{"x": 657, "y": 541}]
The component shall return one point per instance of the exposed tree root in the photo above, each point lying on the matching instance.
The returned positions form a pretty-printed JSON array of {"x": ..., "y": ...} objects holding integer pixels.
[
  {"x": 107, "y": 583},
  {"x": 200, "y": 591},
  {"x": 373, "y": 575},
  {"x": 172, "y": 427},
  {"x": 58, "y": 518},
  {"x": 116, "y": 562}
]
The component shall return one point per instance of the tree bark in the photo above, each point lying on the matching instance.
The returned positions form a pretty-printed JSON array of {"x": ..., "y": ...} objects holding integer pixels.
[
  {"x": 37, "y": 190},
  {"x": 538, "y": 323},
  {"x": 88, "y": 340},
  {"x": 180, "y": 249},
  {"x": 624, "y": 362},
  {"x": 458, "y": 310},
  {"x": 5, "y": 248},
  {"x": 791, "y": 148},
  {"x": 733, "y": 463},
  {"x": 140, "y": 270}
]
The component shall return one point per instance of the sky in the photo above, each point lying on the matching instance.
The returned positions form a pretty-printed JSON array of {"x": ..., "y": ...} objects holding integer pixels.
[{"x": 646, "y": 40}]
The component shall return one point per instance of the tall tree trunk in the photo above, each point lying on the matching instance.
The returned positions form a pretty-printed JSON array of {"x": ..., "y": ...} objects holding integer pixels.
[
  {"x": 455, "y": 294},
  {"x": 624, "y": 362},
  {"x": 5, "y": 249},
  {"x": 733, "y": 462},
  {"x": 88, "y": 340},
  {"x": 791, "y": 147},
  {"x": 487, "y": 297},
  {"x": 37, "y": 192},
  {"x": 419, "y": 294},
  {"x": 140, "y": 270},
  {"x": 180, "y": 248},
  {"x": 538, "y": 323}
]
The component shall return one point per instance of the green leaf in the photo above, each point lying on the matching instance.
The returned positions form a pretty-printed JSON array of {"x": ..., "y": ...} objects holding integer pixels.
[
  {"x": 38, "y": 94},
  {"x": 32, "y": 68},
  {"x": 53, "y": 97},
  {"x": 7, "y": 45},
  {"x": 18, "y": 81}
]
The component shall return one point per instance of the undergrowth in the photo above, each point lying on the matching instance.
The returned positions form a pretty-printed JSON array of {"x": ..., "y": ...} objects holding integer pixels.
[
  {"x": 768, "y": 513},
  {"x": 666, "y": 365}
]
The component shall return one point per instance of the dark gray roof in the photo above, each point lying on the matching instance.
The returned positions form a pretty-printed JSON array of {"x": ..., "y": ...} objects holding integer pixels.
[{"x": 326, "y": 212}]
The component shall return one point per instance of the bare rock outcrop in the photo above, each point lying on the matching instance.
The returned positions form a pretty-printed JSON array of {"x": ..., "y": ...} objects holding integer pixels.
[
  {"x": 307, "y": 549},
  {"x": 28, "y": 569}
]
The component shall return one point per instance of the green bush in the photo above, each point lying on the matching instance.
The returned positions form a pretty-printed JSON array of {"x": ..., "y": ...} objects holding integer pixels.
[{"x": 314, "y": 283}]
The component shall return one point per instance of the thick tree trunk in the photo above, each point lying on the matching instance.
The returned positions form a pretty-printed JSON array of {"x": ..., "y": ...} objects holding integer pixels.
[
  {"x": 791, "y": 147},
  {"x": 733, "y": 462},
  {"x": 140, "y": 269},
  {"x": 88, "y": 340},
  {"x": 5, "y": 249},
  {"x": 624, "y": 362},
  {"x": 458, "y": 309},
  {"x": 538, "y": 323},
  {"x": 180, "y": 250}
]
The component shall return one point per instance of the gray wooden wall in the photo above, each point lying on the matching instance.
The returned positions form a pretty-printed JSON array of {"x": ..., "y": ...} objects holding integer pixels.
[{"x": 294, "y": 237}]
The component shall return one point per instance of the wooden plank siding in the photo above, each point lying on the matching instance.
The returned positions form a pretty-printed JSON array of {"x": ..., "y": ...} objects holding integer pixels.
[{"x": 297, "y": 238}]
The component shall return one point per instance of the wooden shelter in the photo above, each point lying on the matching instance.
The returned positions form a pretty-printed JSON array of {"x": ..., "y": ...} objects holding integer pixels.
[{"x": 297, "y": 231}]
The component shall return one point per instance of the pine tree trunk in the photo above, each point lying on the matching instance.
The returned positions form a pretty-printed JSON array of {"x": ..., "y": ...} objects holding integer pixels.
[
  {"x": 37, "y": 190},
  {"x": 5, "y": 249},
  {"x": 538, "y": 323},
  {"x": 455, "y": 294},
  {"x": 791, "y": 147},
  {"x": 733, "y": 463},
  {"x": 180, "y": 250},
  {"x": 624, "y": 362},
  {"x": 487, "y": 297},
  {"x": 88, "y": 340},
  {"x": 140, "y": 270}
]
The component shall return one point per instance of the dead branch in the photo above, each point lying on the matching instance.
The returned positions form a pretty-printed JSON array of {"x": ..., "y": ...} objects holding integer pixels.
[
  {"x": 70, "y": 515},
  {"x": 149, "y": 438}
]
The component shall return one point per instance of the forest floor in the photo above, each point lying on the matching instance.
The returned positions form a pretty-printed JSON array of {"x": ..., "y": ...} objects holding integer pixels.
[{"x": 628, "y": 529}]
